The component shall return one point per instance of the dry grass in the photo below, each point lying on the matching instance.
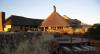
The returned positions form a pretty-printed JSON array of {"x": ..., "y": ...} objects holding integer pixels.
[{"x": 39, "y": 44}]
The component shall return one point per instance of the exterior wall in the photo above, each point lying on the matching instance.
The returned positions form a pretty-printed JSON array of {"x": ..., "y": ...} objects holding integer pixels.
[
  {"x": 7, "y": 26},
  {"x": 23, "y": 28},
  {"x": 2, "y": 19},
  {"x": 69, "y": 30},
  {"x": 59, "y": 29},
  {"x": 79, "y": 31}
]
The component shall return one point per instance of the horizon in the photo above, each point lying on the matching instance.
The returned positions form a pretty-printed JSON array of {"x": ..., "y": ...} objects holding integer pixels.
[{"x": 81, "y": 10}]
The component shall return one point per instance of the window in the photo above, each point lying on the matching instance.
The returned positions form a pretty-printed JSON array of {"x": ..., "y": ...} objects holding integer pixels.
[
  {"x": 53, "y": 28},
  {"x": 46, "y": 27}
]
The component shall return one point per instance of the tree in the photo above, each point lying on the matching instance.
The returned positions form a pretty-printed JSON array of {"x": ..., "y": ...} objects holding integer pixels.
[{"x": 94, "y": 32}]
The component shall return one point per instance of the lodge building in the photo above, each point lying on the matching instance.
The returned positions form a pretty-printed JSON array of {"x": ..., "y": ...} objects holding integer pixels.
[
  {"x": 19, "y": 23},
  {"x": 53, "y": 23}
]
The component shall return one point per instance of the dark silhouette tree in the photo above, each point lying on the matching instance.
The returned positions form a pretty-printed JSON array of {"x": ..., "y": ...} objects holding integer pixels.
[{"x": 94, "y": 32}]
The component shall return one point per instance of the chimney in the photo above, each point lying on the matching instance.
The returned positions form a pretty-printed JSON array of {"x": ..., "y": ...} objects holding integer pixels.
[{"x": 2, "y": 21}]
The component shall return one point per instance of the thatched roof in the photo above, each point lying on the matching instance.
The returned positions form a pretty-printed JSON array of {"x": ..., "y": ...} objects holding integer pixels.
[
  {"x": 23, "y": 21},
  {"x": 54, "y": 19},
  {"x": 65, "y": 17},
  {"x": 74, "y": 22}
]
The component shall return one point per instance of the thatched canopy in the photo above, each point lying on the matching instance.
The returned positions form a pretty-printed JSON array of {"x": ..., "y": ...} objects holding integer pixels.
[{"x": 54, "y": 19}]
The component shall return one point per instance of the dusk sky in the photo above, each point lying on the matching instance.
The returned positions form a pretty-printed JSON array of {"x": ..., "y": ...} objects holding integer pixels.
[{"x": 88, "y": 11}]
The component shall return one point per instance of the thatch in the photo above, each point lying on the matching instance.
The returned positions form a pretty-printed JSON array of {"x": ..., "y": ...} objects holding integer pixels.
[
  {"x": 23, "y": 21},
  {"x": 65, "y": 17},
  {"x": 54, "y": 19}
]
